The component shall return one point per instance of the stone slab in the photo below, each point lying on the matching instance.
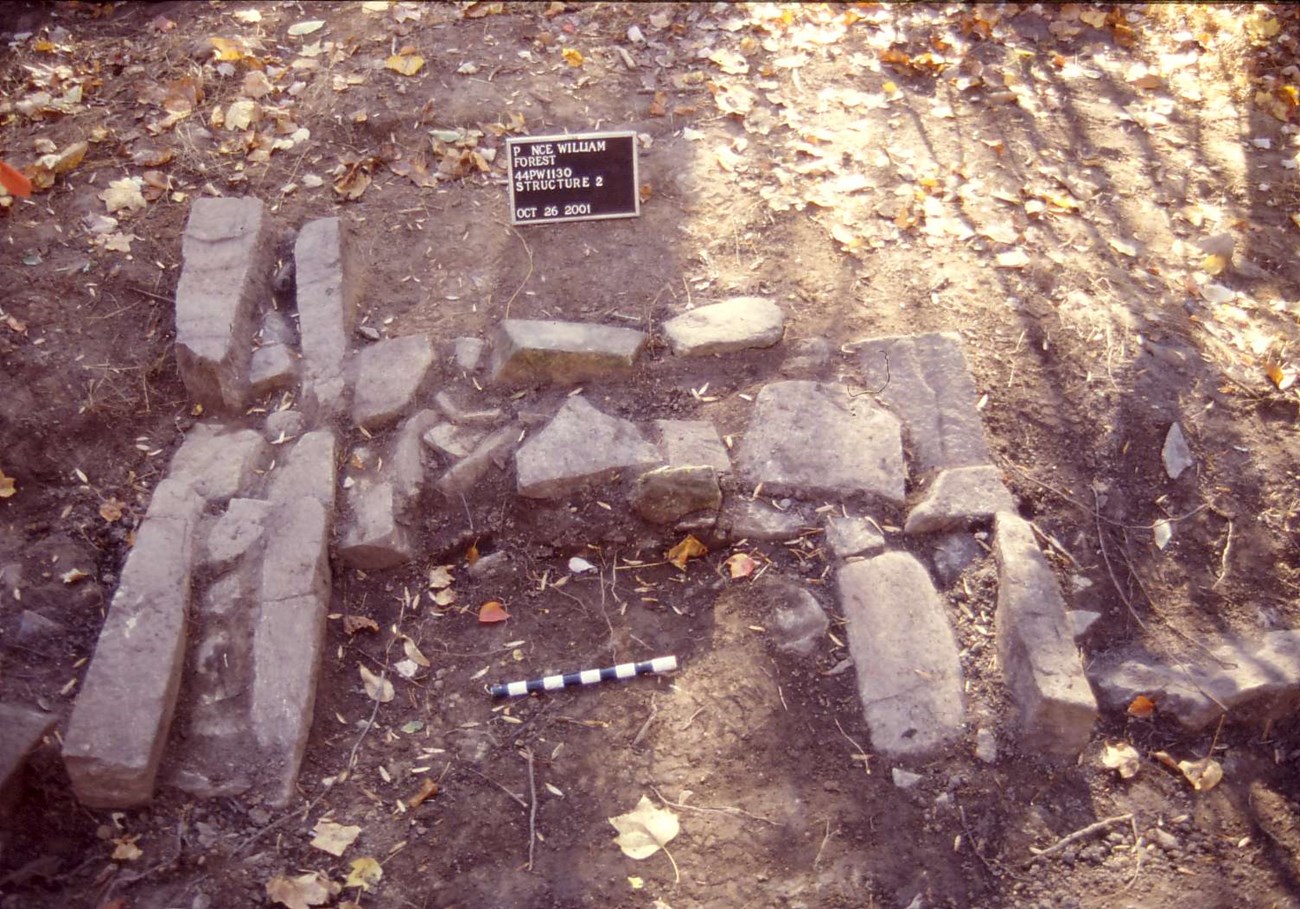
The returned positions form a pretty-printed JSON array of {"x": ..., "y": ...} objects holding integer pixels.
[
  {"x": 925, "y": 380},
  {"x": 120, "y": 721},
  {"x": 1036, "y": 648},
  {"x": 692, "y": 443},
  {"x": 794, "y": 618},
  {"x": 493, "y": 451},
  {"x": 306, "y": 469},
  {"x": 581, "y": 445},
  {"x": 452, "y": 441},
  {"x": 328, "y": 288},
  {"x": 23, "y": 730},
  {"x": 667, "y": 494},
  {"x": 958, "y": 496},
  {"x": 465, "y": 415},
  {"x": 374, "y": 536},
  {"x": 905, "y": 653},
  {"x": 289, "y": 636},
  {"x": 389, "y": 376},
  {"x": 405, "y": 463},
  {"x": 529, "y": 351},
  {"x": 274, "y": 367},
  {"x": 237, "y": 531},
  {"x": 1119, "y": 681},
  {"x": 951, "y": 554},
  {"x": 853, "y": 536},
  {"x": 468, "y": 353},
  {"x": 740, "y": 323},
  {"x": 811, "y": 438},
  {"x": 226, "y": 275},
  {"x": 750, "y": 519},
  {"x": 219, "y": 464},
  {"x": 283, "y": 425}
]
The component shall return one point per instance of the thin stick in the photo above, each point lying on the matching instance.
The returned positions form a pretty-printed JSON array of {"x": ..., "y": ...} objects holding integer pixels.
[
  {"x": 1223, "y": 559},
  {"x": 728, "y": 810},
  {"x": 527, "y": 277},
  {"x": 1101, "y": 541},
  {"x": 645, "y": 727},
  {"x": 822, "y": 847},
  {"x": 1082, "y": 833},
  {"x": 532, "y": 810},
  {"x": 974, "y": 846},
  {"x": 522, "y": 803},
  {"x": 862, "y": 752}
]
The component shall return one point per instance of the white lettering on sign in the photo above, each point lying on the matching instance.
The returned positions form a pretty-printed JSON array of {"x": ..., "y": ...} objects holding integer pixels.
[{"x": 569, "y": 148}]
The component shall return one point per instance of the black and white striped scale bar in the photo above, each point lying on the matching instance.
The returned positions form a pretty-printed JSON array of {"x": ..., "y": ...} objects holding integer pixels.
[{"x": 585, "y": 677}]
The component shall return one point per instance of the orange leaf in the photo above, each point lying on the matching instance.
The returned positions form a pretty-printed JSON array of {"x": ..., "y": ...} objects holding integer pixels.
[
  {"x": 354, "y": 623},
  {"x": 1142, "y": 707},
  {"x": 492, "y": 611},
  {"x": 428, "y": 789},
  {"x": 688, "y": 548},
  {"x": 471, "y": 554},
  {"x": 15, "y": 182},
  {"x": 111, "y": 511}
]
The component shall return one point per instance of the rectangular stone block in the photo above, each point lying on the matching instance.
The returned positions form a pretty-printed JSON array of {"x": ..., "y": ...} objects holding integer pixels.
[
  {"x": 1036, "y": 648},
  {"x": 905, "y": 652},
  {"x": 306, "y": 470},
  {"x": 528, "y": 351},
  {"x": 225, "y": 277},
  {"x": 119, "y": 724},
  {"x": 692, "y": 443},
  {"x": 328, "y": 289},
  {"x": 925, "y": 381},
  {"x": 218, "y": 464},
  {"x": 288, "y": 637}
]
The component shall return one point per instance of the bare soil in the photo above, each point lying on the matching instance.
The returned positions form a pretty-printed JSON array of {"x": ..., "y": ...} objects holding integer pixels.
[{"x": 873, "y": 169}]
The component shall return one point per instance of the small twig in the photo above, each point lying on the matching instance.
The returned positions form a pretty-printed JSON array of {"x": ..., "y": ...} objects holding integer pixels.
[
  {"x": 1101, "y": 541},
  {"x": 825, "y": 839},
  {"x": 645, "y": 727},
  {"x": 728, "y": 810},
  {"x": 1082, "y": 833},
  {"x": 974, "y": 846},
  {"x": 527, "y": 277},
  {"x": 1223, "y": 559},
  {"x": 532, "y": 809},
  {"x": 862, "y": 752},
  {"x": 522, "y": 803},
  {"x": 691, "y": 719},
  {"x": 1137, "y": 847}
]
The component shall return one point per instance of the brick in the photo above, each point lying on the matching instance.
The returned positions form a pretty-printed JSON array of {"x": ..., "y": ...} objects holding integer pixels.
[
  {"x": 740, "y": 323},
  {"x": 580, "y": 446},
  {"x": 905, "y": 652},
  {"x": 924, "y": 379},
  {"x": 1036, "y": 649},
  {"x": 692, "y": 443},
  {"x": 219, "y": 464},
  {"x": 120, "y": 722},
  {"x": 328, "y": 289},
  {"x": 389, "y": 376},
  {"x": 813, "y": 439},
  {"x": 526, "y": 351},
  {"x": 959, "y": 496},
  {"x": 306, "y": 469},
  {"x": 289, "y": 636},
  {"x": 226, "y": 274}
]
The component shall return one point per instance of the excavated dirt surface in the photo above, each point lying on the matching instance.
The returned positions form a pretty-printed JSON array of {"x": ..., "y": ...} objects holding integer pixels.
[{"x": 1027, "y": 130}]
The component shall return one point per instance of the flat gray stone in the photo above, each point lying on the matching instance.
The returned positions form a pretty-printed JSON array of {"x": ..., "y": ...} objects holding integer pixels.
[
  {"x": 692, "y": 443},
  {"x": 120, "y": 721},
  {"x": 389, "y": 375},
  {"x": 526, "y": 351},
  {"x": 374, "y": 537},
  {"x": 1174, "y": 690},
  {"x": 952, "y": 554},
  {"x": 1176, "y": 453},
  {"x": 853, "y": 536},
  {"x": 1036, "y": 647},
  {"x": 23, "y": 731},
  {"x": 288, "y": 638},
  {"x": 220, "y": 464},
  {"x": 807, "y": 356},
  {"x": 405, "y": 463},
  {"x": 959, "y": 496},
  {"x": 283, "y": 425},
  {"x": 795, "y": 620},
  {"x": 235, "y": 532},
  {"x": 986, "y": 745},
  {"x": 274, "y": 367},
  {"x": 667, "y": 494},
  {"x": 468, "y": 353},
  {"x": 740, "y": 323},
  {"x": 580, "y": 446},
  {"x": 463, "y": 415},
  {"x": 749, "y": 519},
  {"x": 327, "y": 292},
  {"x": 452, "y": 441},
  {"x": 277, "y": 328},
  {"x": 813, "y": 439},
  {"x": 305, "y": 469},
  {"x": 494, "y": 451},
  {"x": 924, "y": 379},
  {"x": 909, "y": 673},
  {"x": 1081, "y": 622},
  {"x": 225, "y": 275}
]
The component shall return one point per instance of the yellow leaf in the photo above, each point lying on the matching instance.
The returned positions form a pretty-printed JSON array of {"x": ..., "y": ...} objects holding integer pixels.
[
  {"x": 334, "y": 838},
  {"x": 127, "y": 850},
  {"x": 687, "y": 549},
  {"x": 1204, "y": 774},
  {"x": 645, "y": 830},
  {"x": 406, "y": 64},
  {"x": 228, "y": 50},
  {"x": 1282, "y": 378},
  {"x": 1215, "y": 264},
  {"x": 7, "y": 487},
  {"x": 572, "y": 57},
  {"x": 365, "y": 873}
]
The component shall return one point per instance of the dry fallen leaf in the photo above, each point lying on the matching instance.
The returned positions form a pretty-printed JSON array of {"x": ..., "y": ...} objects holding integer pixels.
[
  {"x": 1122, "y": 757},
  {"x": 471, "y": 554},
  {"x": 405, "y": 64},
  {"x": 7, "y": 486},
  {"x": 413, "y": 653},
  {"x": 741, "y": 565},
  {"x": 687, "y": 549},
  {"x": 124, "y": 193},
  {"x": 572, "y": 56},
  {"x": 1204, "y": 774},
  {"x": 1281, "y": 378},
  {"x": 1141, "y": 707},
  {"x": 378, "y": 688},
  {"x": 111, "y": 511},
  {"x": 365, "y": 873},
  {"x": 303, "y": 891},
  {"x": 1014, "y": 258},
  {"x": 645, "y": 830},
  {"x": 354, "y": 623},
  {"x": 127, "y": 850},
  {"x": 334, "y": 838},
  {"x": 440, "y": 577},
  {"x": 72, "y": 576},
  {"x": 299, "y": 29},
  {"x": 428, "y": 789},
  {"x": 353, "y": 183},
  {"x": 444, "y": 597},
  {"x": 492, "y": 611}
]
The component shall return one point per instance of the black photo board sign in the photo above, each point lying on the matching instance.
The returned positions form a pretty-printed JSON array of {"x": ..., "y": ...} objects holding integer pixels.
[{"x": 582, "y": 177}]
